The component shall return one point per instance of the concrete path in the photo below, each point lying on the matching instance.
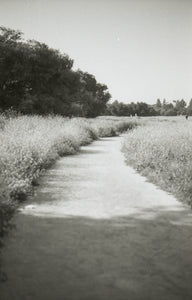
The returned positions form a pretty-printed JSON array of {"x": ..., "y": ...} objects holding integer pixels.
[{"x": 96, "y": 230}]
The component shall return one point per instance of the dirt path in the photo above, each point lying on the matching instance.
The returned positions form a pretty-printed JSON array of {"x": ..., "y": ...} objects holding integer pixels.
[{"x": 96, "y": 230}]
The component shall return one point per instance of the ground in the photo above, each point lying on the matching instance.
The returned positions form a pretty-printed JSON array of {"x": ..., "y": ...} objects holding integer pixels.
[{"x": 95, "y": 229}]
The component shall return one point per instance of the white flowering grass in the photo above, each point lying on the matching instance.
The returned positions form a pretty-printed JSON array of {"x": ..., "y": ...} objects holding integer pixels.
[
  {"x": 31, "y": 143},
  {"x": 111, "y": 126},
  {"x": 161, "y": 151}
]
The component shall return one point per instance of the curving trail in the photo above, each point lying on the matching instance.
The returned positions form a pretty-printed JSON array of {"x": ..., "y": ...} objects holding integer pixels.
[{"x": 96, "y": 230}]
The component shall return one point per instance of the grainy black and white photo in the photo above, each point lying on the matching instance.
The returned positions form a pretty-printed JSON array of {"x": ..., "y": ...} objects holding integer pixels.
[{"x": 95, "y": 149}]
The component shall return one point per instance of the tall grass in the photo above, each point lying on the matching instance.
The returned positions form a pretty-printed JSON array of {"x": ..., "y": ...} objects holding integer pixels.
[
  {"x": 162, "y": 151},
  {"x": 30, "y": 144}
]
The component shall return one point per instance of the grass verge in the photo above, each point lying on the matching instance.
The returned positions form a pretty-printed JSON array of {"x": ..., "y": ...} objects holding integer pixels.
[
  {"x": 30, "y": 144},
  {"x": 161, "y": 151}
]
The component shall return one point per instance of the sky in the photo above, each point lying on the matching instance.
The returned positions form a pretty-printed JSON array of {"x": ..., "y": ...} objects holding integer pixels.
[{"x": 141, "y": 49}]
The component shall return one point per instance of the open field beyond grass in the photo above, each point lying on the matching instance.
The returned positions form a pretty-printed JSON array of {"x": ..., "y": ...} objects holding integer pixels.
[
  {"x": 30, "y": 144},
  {"x": 161, "y": 150}
]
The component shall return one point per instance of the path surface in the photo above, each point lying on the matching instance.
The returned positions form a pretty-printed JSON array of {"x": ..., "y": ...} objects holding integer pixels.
[{"x": 96, "y": 230}]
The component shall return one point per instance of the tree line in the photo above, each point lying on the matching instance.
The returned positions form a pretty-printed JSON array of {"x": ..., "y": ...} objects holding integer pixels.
[
  {"x": 37, "y": 79},
  {"x": 161, "y": 108}
]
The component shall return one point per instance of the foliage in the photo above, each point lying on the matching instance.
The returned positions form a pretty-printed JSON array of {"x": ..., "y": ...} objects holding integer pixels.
[
  {"x": 189, "y": 108},
  {"x": 37, "y": 79},
  {"x": 178, "y": 107},
  {"x": 121, "y": 109},
  {"x": 162, "y": 152}
]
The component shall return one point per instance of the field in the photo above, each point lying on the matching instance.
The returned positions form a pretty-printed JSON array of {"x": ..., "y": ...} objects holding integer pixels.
[
  {"x": 161, "y": 151},
  {"x": 30, "y": 144}
]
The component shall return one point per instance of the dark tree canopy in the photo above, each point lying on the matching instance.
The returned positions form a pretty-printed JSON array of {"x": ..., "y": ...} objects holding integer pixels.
[{"x": 37, "y": 79}]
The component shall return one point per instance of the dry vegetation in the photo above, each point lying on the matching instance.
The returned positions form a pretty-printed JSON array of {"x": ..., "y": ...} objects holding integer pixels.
[
  {"x": 161, "y": 151},
  {"x": 30, "y": 144}
]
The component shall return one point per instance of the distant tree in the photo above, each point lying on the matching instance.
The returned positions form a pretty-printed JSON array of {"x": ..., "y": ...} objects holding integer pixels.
[
  {"x": 157, "y": 107},
  {"x": 121, "y": 109},
  {"x": 189, "y": 108},
  {"x": 169, "y": 110},
  {"x": 180, "y": 107},
  {"x": 158, "y": 103},
  {"x": 164, "y": 103},
  {"x": 142, "y": 109}
]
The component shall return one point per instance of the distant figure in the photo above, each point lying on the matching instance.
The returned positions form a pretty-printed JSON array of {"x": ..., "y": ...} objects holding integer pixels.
[{"x": 186, "y": 117}]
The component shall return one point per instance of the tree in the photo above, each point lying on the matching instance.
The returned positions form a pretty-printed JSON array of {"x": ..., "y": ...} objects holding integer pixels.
[
  {"x": 37, "y": 79},
  {"x": 94, "y": 95},
  {"x": 180, "y": 106},
  {"x": 12, "y": 57},
  {"x": 158, "y": 103},
  {"x": 189, "y": 108},
  {"x": 121, "y": 109}
]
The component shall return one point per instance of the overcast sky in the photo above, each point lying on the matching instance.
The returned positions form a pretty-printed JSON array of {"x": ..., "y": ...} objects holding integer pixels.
[{"x": 142, "y": 49}]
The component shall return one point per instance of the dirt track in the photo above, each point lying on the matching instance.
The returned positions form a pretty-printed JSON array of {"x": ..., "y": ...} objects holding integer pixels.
[{"x": 97, "y": 230}]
